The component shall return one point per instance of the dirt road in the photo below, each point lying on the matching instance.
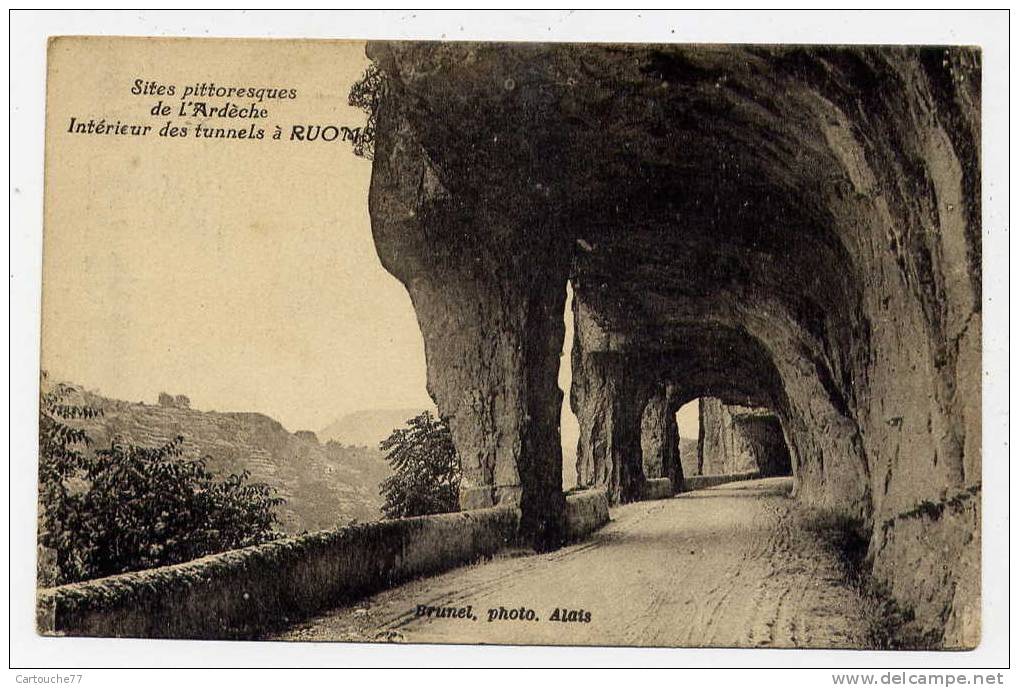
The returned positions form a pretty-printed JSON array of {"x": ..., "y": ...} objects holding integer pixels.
[{"x": 729, "y": 566}]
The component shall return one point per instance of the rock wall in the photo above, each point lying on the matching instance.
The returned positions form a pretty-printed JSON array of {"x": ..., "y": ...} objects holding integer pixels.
[
  {"x": 764, "y": 436},
  {"x": 723, "y": 447},
  {"x": 738, "y": 439},
  {"x": 945, "y": 587},
  {"x": 790, "y": 227}
]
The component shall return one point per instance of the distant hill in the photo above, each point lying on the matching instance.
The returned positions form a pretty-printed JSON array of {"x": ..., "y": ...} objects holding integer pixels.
[
  {"x": 688, "y": 456},
  {"x": 367, "y": 428},
  {"x": 325, "y": 484},
  {"x": 687, "y": 446}
]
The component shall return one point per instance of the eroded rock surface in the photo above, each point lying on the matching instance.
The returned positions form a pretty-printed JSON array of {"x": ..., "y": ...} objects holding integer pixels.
[
  {"x": 738, "y": 439},
  {"x": 659, "y": 437},
  {"x": 792, "y": 228}
]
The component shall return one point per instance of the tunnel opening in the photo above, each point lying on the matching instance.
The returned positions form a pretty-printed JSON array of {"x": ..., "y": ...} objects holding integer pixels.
[
  {"x": 569, "y": 428},
  {"x": 688, "y": 421}
]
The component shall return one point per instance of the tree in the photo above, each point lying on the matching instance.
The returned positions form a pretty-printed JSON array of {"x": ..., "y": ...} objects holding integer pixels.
[
  {"x": 367, "y": 94},
  {"x": 61, "y": 456},
  {"x": 126, "y": 508},
  {"x": 426, "y": 478}
]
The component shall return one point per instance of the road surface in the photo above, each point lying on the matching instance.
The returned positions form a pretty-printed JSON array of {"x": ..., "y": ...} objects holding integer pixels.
[{"x": 729, "y": 566}]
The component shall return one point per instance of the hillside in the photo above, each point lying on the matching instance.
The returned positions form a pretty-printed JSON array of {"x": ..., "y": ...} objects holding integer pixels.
[
  {"x": 688, "y": 456},
  {"x": 688, "y": 446},
  {"x": 367, "y": 428},
  {"x": 325, "y": 484}
]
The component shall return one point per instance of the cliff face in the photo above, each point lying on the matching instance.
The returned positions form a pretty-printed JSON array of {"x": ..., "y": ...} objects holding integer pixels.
[{"x": 790, "y": 228}]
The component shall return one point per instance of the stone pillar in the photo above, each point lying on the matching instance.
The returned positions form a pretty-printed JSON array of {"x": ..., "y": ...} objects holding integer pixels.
[
  {"x": 674, "y": 462},
  {"x": 660, "y": 439},
  {"x": 608, "y": 398},
  {"x": 490, "y": 307},
  {"x": 703, "y": 419},
  {"x": 494, "y": 377}
]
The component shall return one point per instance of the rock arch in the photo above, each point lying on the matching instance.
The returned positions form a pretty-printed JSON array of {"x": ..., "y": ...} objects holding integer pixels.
[{"x": 798, "y": 228}]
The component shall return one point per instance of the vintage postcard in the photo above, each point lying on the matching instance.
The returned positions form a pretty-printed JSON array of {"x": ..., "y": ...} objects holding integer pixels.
[{"x": 606, "y": 344}]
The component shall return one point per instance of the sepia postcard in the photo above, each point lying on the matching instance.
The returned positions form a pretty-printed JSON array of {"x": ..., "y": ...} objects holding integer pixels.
[{"x": 662, "y": 345}]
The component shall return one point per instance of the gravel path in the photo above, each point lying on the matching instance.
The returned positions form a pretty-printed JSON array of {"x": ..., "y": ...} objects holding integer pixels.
[{"x": 729, "y": 566}]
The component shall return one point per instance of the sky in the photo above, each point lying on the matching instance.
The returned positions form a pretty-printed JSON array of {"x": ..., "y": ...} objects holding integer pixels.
[{"x": 240, "y": 273}]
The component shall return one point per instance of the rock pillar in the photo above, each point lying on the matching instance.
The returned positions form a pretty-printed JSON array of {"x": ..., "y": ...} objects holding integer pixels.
[
  {"x": 659, "y": 439},
  {"x": 608, "y": 399},
  {"x": 489, "y": 298}
]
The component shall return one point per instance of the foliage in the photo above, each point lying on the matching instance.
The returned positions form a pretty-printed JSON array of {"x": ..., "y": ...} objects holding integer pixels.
[
  {"x": 61, "y": 456},
  {"x": 125, "y": 508},
  {"x": 366, "y": 94},
  {"x": 426, "y": 478}
]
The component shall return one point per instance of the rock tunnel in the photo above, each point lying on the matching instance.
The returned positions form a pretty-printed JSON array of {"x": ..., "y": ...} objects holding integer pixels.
[{"x": 789, "y": 228}]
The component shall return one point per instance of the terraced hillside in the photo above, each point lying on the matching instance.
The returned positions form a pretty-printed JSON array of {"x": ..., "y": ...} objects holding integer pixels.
[{"x": 324, "y": 484}]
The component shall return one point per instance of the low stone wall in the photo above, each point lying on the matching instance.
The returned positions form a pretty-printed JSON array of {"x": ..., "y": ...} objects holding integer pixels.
[
  {"x": 700, "y": 482},
  {"x": 246, "y": 592},
  {"x": 243, "y": 593},
  {"x": 657, "y": 488},
  {"x": 586, "y": 512}
]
